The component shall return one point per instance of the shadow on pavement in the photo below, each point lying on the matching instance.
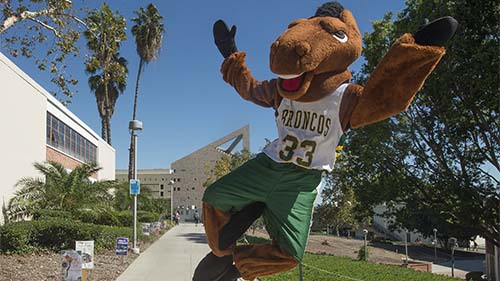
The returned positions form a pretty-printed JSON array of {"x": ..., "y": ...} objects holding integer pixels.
[{"x": 195, "y": 237}]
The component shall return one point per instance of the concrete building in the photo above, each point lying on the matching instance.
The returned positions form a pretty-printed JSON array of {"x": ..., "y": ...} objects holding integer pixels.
[
  {"x": 184, "y": 181},
  {"x": 156, "y": 181},
  {"x": 37, "y": 128}
]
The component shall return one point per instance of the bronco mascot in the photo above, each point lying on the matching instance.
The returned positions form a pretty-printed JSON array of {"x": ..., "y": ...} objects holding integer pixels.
[{"x": 314, "y": 104}]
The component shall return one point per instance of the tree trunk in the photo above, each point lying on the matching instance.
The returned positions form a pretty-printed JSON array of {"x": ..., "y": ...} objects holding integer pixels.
[
  {"x": 141, "y": 62},
  {"x": 103, "y": 128},
  {"x": 131, "y": 158},
  {"x": 108, "y": 128},
  {"x": 131, "y": 150}
]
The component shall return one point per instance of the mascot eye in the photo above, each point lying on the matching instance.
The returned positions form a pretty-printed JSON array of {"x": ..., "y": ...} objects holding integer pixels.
[{"x": 340, "y": 35}]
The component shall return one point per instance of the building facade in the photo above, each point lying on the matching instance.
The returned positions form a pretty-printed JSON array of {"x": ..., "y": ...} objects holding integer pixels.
[
  {"x": 155, "y": 181},
  {"x": 184, "y": 182},
  {"x": 39, "y": 128}
]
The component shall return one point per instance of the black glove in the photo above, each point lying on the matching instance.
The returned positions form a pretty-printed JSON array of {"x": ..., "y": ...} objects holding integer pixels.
[
  {"x": 437, "y": 32},
  {"x": 224, "y": 38},
  {"x": 239, "y": 223}
]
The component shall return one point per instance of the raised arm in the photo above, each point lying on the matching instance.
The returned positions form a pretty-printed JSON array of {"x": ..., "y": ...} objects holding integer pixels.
[
  {"x": 236, "y": 73},
  {"x": 398, "y": 77}
]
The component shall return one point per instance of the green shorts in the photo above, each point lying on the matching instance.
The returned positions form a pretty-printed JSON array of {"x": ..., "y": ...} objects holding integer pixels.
[{"x": 287, "y": 190}]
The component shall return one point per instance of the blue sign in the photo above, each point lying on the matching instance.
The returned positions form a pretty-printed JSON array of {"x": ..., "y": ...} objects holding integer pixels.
[
  {"x": 135, "y": 187},
  {"x": 121, "y": 246}
]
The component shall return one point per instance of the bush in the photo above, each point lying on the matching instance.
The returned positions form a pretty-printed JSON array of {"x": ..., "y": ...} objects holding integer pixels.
[
  {"x": 361, "y": 253},
  {"x": 126, "y": 218},
  {"x": 46, "y": 214},
  {"x": 88, "y": 216},
  {"x": 108, "y": 217},
  {"x": 144, "y": 216},
  {"x": 57, "y": 234},
  {"x": 103, "y": 217}
]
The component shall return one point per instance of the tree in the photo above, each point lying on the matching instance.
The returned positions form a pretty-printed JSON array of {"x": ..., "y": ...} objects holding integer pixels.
[
  {"x": 26, "y": 25},
  {"x": 122, "y": 200},
  {"x": 58, "y": 189},
  {"x": 435, "y": 164},
  {"x": 338, "y": 205},
  {"x": 148, "y": 32},
  {"x": 108, "y": 70},
  {"x": 226, "y": 164}
]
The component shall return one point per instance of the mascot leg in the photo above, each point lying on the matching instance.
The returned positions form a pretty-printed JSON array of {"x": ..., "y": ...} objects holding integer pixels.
[{"x": 255, "y": 261}]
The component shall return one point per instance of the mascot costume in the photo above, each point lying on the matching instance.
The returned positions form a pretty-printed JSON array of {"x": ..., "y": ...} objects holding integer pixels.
[{"x": 314, "y": 104}]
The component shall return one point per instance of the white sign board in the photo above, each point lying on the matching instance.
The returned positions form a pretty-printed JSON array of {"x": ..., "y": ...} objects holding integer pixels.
[
  {"x": 71, "y": 265},
  {"x": 86, "y": 250}
]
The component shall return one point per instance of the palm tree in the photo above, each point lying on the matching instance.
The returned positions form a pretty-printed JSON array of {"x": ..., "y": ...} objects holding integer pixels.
[
  {"x": 148, "y": 32},
  {"x": 107, "y": 69},
  {"x": 58, "y": 189}
]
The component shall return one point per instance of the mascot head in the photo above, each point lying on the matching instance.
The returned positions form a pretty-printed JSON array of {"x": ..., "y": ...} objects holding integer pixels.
[{"x": 313, "y": 50}]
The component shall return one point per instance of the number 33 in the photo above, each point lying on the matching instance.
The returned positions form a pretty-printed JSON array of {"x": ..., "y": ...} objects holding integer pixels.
[{"x": 286, "y": 154}]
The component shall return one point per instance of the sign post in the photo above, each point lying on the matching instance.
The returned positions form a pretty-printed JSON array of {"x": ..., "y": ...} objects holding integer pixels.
[
  {"x": 71, "y": 265},
  {"x": 86, "y": 250},
  {"x": 135, "y": 188}
]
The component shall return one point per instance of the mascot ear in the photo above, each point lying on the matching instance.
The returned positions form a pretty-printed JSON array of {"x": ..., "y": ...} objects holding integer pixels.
[{"x": 349, "y": 20}]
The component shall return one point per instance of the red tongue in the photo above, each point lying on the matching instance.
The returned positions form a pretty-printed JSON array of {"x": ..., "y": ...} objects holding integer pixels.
[{"x": 292, "y": 84}]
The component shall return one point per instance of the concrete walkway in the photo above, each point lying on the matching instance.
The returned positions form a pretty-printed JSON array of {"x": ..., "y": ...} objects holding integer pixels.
[{"x": 173, "y": 257}]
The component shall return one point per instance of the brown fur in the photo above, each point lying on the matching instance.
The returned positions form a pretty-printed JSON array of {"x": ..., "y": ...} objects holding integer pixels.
[
  {"x": 255, "y": 261},
  {"x": 213, "y": 220},
  {"x": 308, "y": 47},
  {"x": 395, "y": 81}
]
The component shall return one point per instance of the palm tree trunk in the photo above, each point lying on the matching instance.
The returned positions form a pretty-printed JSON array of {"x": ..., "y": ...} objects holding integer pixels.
[
  {"x": 103, "y": 128},
  {"x": 108, "y": 128},
  {"x": 141, "y": 62},
  {"x": 134, "y": 114},
  {"x": 131, "y": 158}
]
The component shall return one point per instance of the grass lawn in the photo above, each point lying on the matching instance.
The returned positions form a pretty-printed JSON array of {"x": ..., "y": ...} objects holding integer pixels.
[{"x": 354, "y": 269}]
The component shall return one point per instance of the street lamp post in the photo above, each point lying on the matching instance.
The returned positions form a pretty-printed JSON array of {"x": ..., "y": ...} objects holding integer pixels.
[
  {"x": 435, "y": 244},
  {"x": 406, "y": 247},
  {"x": 365, "y": 231},
  {"x": 135, "y": 125},
  {"x": 171, "y": 183},
  {"x": 453, "y": 242}
]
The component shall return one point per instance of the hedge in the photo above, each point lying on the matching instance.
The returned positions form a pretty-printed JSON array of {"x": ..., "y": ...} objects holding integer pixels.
[
  {"x": 57, "y": 234},
  {"x": 46, "y": 214}
]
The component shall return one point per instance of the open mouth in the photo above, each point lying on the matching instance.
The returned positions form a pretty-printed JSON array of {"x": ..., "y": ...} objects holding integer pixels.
[{"x": 292, "y": 82}]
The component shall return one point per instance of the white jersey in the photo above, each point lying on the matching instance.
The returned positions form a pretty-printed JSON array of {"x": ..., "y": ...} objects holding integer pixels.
[{"x": 308, "y": 132}]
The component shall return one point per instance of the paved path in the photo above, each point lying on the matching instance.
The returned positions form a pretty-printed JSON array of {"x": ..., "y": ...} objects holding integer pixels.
[{"x": 173, "y": 257}]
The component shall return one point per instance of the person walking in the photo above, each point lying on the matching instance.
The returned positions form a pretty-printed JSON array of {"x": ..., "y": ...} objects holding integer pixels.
[{"x": 196, "y": 217}]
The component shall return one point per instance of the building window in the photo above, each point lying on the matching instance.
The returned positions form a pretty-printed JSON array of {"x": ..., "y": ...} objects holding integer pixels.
[
  {"x": 64, "y": 138},
  {"x": 161, "y": 186},
  {"x": 192, "y": 188},
  {"x": 161, "y": 194}
]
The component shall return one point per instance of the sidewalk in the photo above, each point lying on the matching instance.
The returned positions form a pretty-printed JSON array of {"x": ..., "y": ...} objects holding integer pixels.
[{"x": 173, "y": 257}]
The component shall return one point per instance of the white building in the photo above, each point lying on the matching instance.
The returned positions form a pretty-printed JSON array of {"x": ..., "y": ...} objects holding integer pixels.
[{"x": 36, "y": 127}]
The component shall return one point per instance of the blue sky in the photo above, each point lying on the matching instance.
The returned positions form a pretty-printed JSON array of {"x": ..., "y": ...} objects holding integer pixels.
[{"x": 184, "y": 103}]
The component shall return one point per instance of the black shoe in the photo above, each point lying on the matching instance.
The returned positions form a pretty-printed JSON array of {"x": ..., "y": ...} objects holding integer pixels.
[{"x": 213, "y": 268}]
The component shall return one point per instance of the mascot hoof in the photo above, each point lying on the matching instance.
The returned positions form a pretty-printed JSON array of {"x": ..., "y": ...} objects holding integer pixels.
[
  {"x": 213, "y": 268},
  {"x": 437, "y": 32}
]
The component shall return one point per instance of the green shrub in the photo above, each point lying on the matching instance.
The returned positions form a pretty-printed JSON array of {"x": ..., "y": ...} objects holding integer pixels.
[
  {"x": 361, "y": 253},
  {"x": 144, "y": 216},
  {"x": 88, "y": 216},
  {"x": 46, "y": 214},
  {"x": 125, "y": 217},
  {"x": 108, "y": 217},
  {"x": 57, "y": 234}
]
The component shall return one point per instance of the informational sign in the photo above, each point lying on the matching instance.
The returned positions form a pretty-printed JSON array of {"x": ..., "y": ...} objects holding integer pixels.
[
  {"x": 121, "y": 246},
  {"x": 86, "y": 251},
  {"x": 71, "y": 265},
  {"x": 135, "y": 187}
]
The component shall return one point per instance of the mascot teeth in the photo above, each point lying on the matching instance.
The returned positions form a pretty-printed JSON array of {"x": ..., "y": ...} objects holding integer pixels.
[{"x": 289, "y": 76}]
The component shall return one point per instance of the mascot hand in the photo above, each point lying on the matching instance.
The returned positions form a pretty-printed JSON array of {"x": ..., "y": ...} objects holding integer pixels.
[
  {"x": 436, "y": 33},
  {"x": 224, "y": 38}
]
